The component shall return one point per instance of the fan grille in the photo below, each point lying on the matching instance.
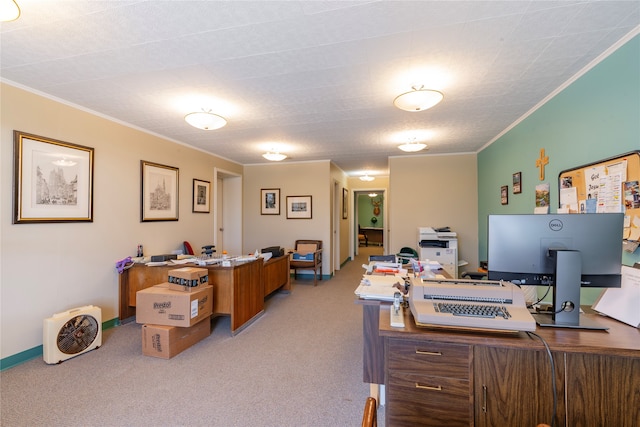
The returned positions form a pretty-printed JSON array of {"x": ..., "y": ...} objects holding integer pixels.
[{"x": 77, "y": 334}]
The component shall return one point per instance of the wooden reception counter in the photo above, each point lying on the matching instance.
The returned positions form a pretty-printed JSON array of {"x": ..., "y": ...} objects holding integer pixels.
[{"x": 238, "y": 291}]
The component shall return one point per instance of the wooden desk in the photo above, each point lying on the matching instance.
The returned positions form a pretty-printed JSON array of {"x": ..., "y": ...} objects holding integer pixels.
[
  {"x": 238, "y": 291},
  {"x": 373, "y": 343},
  {"x": 374, "y": 235},
  {"x": 448, "y": 377}
]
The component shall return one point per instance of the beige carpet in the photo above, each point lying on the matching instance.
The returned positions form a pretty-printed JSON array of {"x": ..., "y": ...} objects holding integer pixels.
[{"x": 300, "y": 364}]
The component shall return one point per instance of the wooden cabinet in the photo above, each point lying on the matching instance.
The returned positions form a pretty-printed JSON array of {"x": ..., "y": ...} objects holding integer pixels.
[
  {"x": 442, "y": 377},
  {"x": 428, "y": 383},
  {"x": 514, "y": 387},
  {"x": 238, "y": 292},
  {"x": 591, "y": 377},
  {"x": 276, "y": 275}
]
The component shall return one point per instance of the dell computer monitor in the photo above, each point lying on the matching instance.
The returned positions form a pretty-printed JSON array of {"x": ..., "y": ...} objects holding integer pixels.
[{"x": 565, "y": 251}]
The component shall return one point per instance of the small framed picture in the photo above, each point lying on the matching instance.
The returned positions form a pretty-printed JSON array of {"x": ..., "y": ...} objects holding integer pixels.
[
  {"x": 53, "y": 180},
  {"x": 345, "y": 203},
  {"x": 298, "y": 207},
  {"x": 270, "y": 201},
  {"x": 201, "y": 196},
  {"x": 504, "y": 194},
  {"x": 517, "y": 182},
  {"x": 159, "y": 192}
]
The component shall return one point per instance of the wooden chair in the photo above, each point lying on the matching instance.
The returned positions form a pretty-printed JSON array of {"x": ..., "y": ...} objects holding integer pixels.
[
  {"x": 370, "y": 415},
  {"x": 307, "y": 255},
  {"x": 362, "y": 237}
]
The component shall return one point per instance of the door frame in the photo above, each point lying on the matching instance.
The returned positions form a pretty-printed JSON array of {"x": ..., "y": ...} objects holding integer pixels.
[{"x": 227, "y": 218}]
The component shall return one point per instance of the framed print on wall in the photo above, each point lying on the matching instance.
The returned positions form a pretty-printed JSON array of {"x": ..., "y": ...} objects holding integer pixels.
[
  {"x": 53, "y": 180},
  {"x": 517, "y": 183},
  {"x": 298, "y": 207},
  {"x": 504, "y": 194},
  {"x": 270, "y": 201},
  {"x": 201, "y": 196},
  {"x": 345, "y": 203},
  {"x": 159, "y": 192}
]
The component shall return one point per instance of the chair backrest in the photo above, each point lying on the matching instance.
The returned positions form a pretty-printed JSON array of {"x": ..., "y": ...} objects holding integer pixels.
[
  {"x": 308, "y": 246},
  {"x": 384, "y": 258},
  {"x": 188, "y": 250}
]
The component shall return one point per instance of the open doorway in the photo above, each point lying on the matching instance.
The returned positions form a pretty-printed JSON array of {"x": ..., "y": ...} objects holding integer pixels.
[
  {"x": 370, "y": 219},
  {"x": 227, "y": 217}
]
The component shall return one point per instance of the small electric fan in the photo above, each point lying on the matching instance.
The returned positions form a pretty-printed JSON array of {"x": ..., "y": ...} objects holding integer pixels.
[{"x": 71, "y": 333}]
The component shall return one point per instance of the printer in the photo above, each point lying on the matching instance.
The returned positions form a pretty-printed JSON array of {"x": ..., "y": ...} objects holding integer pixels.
[{"x": 439, "y": 244}]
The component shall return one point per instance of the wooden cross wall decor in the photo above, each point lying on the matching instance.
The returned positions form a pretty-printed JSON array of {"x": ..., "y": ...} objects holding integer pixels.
[{"x": 543, "y": 160}]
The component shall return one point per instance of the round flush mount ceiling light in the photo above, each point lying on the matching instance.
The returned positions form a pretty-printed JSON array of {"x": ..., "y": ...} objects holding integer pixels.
[
  {"x": 366, "y": 177},
  {"x": 205, "y": 120},
  {"x": 418, "y": 99},
  {"x": 412, "y": 147},
  {"x": 9, "y": 10},
  {"x": 274, "y": 156}
]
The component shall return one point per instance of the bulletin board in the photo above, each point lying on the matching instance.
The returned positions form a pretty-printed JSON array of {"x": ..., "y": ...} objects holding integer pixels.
[{"x": 595, "y": 188}]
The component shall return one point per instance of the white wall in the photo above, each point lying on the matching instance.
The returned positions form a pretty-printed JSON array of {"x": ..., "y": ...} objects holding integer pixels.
[
  {"x": 434, "y": 191},
  {"x": 49, "y": 268}
]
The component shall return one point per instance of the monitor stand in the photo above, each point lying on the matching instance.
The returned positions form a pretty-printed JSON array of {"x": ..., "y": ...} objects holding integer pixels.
[{"x": 566, "y": 293}]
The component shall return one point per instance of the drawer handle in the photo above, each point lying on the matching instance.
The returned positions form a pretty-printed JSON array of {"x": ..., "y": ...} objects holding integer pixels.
[
  {"x": 429, "y": 353},
  {"x": 427, "y": 387}
]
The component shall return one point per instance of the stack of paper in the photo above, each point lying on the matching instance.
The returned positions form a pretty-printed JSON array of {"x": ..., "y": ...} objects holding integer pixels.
[{"x": 378, "y": 287}]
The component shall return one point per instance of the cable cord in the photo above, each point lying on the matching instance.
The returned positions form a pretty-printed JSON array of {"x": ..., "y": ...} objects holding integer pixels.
[
  {"x": 553, "y": 377},
  {"x": 542, "y": 297}
]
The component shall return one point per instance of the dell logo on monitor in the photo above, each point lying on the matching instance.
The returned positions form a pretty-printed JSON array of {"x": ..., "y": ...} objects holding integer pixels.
[{"x": 555, "y": 225}]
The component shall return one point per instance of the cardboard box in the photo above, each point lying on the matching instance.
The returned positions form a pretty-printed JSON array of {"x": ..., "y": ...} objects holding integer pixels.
[
  {"x": 160, "y": 305},
  {"x": 167, "y": 341},
  {"x": 187, "y": 278}
]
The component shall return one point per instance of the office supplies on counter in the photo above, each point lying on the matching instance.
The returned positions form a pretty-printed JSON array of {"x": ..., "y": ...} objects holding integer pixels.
[
  {"x": 382, "y": 288},
  {"x": 385, "y": 268},
  {"x": 482, "y": 304},
  {"x": 397, "y": 311}
]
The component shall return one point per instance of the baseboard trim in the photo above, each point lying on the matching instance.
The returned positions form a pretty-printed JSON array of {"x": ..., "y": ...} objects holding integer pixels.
[{"x": 35, "y": 352}]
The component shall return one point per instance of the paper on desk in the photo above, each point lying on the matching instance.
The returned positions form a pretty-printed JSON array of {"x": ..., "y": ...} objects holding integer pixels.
[
  {"x": 182, "y": 261},
  {"x": 622, "y": 303},
  {"x": 378, "y": 287}
]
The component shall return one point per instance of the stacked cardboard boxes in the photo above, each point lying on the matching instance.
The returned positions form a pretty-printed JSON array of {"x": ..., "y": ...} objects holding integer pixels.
[{"x": 175, "y": 314}]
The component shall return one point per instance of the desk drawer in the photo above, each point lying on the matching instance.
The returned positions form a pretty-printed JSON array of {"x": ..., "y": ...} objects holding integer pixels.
[
  {"x": 419, "y": 400},
  {"x": 430, "y": 358}
]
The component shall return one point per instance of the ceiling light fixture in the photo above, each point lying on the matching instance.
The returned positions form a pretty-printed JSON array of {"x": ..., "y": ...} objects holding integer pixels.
[
  {"x": 205, "y": 120},
  {"x": 412, "y": 147},
  {"x": 9, "y": 10},
  {"x": 372, "y": 195},
  {"x": 274, "y": 156},
  {"x": 418, "y": 99},
  {"x": 366, "y": 177}
]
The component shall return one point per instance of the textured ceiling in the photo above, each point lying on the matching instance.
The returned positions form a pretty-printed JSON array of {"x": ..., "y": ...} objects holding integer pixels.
[{"x": 315, "y": 78}]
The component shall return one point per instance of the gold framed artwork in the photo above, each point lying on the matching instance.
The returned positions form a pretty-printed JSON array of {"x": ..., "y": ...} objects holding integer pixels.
[
  {"x": 345, "y": 203},
  {"x": 201, "y": 196},
  {"x": 159, "y": 192},
  {"x": 53, "y": 180}
]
